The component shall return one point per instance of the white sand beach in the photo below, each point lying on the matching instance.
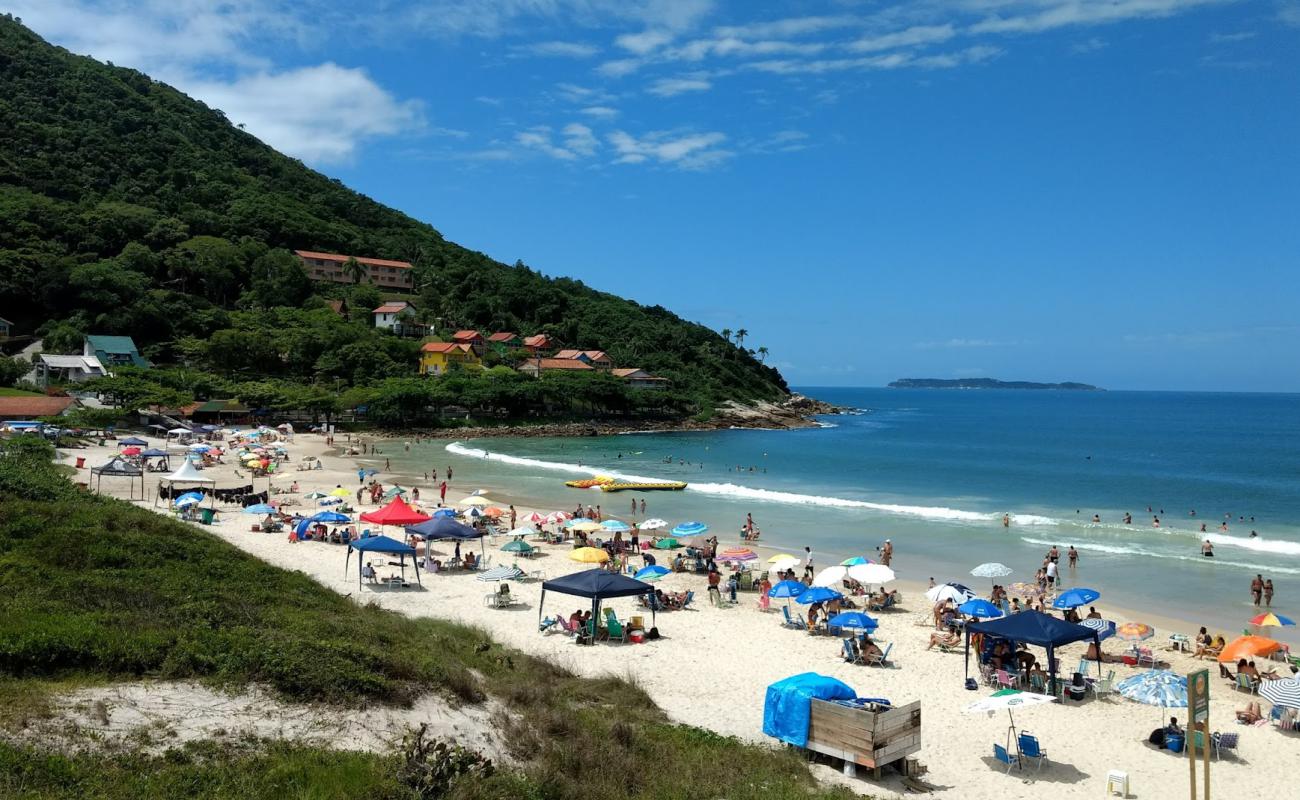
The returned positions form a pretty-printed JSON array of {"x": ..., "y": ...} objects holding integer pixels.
[{"x": 712, "y": 665}]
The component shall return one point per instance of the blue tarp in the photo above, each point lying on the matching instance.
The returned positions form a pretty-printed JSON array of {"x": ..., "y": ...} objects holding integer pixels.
[{"x": 788, "y": 706}]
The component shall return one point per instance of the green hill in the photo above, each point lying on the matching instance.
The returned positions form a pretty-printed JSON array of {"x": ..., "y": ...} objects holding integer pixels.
[{"x": 127, "y": 207}]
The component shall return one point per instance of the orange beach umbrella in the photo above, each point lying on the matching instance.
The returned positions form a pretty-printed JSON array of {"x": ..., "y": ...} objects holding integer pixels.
[{"x": 1248, "y": 647}]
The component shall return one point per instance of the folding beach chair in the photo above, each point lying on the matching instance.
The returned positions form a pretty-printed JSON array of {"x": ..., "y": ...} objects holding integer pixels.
[
  {"x": 879, "y": 660},
  {"x": 851, "y": 653},
  {"x": 1224, "y": 741},
  {"x": 1001, "y": 754},
  {"x": 1030, "y": 748}
]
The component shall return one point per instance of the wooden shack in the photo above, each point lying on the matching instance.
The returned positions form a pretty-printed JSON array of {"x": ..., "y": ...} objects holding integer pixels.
[{"x": 863, "y": 735}]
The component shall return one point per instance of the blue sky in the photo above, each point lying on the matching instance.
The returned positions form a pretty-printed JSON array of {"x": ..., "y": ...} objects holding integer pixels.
[{"x": 1032, "y": 189}]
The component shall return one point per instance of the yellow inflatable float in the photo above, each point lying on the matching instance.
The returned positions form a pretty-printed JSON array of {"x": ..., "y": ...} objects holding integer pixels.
[
  {"x": 668, "y": 486},
  {"x": 589, "y": 482}
]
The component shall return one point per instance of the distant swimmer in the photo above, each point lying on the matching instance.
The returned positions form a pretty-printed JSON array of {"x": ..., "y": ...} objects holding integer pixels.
[
  {"x": 1254, "y": 535},
  {"x": 1155, "y": 522},
  {"x": 1192, "y": 513},
  {"x": 1006, "y": 520},
  {"x": 1128, "y": 518},
  {"x": 1202, "y": 527},
  {"x": 1087, "y": 458},
  {"x": 1223, "y": 526},
  {"x": 1096, "y": 518},
  {"x": 1207, "y": 549}
]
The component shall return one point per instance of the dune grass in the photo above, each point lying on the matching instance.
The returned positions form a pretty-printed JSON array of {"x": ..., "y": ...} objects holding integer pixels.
[{"x": 94, "y": 590}]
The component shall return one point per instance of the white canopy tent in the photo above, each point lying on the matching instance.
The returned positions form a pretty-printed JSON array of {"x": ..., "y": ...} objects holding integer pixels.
[{"x": 187, "y": 474}]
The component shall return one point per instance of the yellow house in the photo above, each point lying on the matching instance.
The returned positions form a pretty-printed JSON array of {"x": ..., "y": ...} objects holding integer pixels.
[{"x": 437, "y": 357}]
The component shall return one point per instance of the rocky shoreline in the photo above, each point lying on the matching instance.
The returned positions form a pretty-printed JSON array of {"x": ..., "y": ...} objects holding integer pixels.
[{"x": 796, "y": 411}]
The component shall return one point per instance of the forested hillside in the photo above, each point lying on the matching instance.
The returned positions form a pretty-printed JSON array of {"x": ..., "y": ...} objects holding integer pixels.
[{"x": 128, "y": 208}]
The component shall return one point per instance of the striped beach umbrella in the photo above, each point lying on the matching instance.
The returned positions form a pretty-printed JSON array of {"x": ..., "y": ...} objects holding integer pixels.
[
  {"x": 1270, "y": 618},
  {"x": 1284, "y": 692},
  {"x": 856, "y": 560},
  {"x": 1134, "y": 631},
  {"x": 1157, "y": 687},
  {"x": 992, "y": 569},
  {"x": 615, "y": 526},
  {"x": 556, "y": 517},
  {"x": 949, "y": 591},
  {"x": 1104, "y": 628},
  {"x": 690, "y": 529},
  {"x": 653, "y": 525},
  {"x": 651, "y": 573},
  {"x": 501, "y": 573},
  {"x": 737, "y": 554}
]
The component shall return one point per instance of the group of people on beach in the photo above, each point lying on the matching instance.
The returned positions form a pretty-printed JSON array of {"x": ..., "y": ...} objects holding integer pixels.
[{"x": 1261, "y": 588}]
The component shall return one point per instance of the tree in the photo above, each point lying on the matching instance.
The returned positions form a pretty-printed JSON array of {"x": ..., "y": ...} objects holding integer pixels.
[
  {"x": 726, "y": 334},
  {"x": 12, "y": 370},
  {"x": 740, "y": 337},
  {"x": 762, "y": 354},
  {"x": 354, "y": 269}
]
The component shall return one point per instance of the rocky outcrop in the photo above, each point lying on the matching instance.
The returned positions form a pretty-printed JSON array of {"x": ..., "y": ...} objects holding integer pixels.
[{"x": 795, "y": 412}]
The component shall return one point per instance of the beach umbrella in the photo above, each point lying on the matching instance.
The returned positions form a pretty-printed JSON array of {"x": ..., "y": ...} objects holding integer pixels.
[
  {"x": 133, "y": 441},
  {"x": 1248, "y": 647},
  {"x": 330, "y": 517},
  {"x": 1104, "y": 627},
  {"x": 556, "y": 517},
  {"x": 830, "y": 576},
  {"x": 200, "y": 447},
  {"x": 855, "y": 561},
  {"x": 522, "y": 530},
  {"x": 445, "y": 513},
  {"x": 517, "y": 546},
  {"x": 187, "y": 500},
  {"x": 1073, "y": 598},
  {"x": 260, "y": 508},
  {"x": 1010, "y": 699},
  {"x": 853, "y": 619},
  {"x": 787, "y": 589},
  {"x": 340, "y": 492},
  {"x": 492, "y": 511},
  {"x": 533, "y": 517},
  {"x": 783, "y": 563},
  {"x": 615, "y": 526},
  {"x": 817, "y": 594},
  {"x": 991, "y": 569},
  {"x": 1024, "y": 589},
  {"x": 369, "y": 472},
  {"x": 1284, "y": 692},
  {"x": 979, "y": 607},
  {"x": 781, "y": 557},
  {"x": 394, "y": 492},
  {"x": 949, "y": 591},
  {"x": 1263, "y": 620},
  {"x": 655, "y": 524},
  {"x": 1135, "y": 631},
  {"x": 690, "y": 529},
  {"x": 472, "y": 512},
  {"x": 476, "y": 500},
  {"x": 651, "y": 573},
  {"x": 1156, "y": 687},
  {"x": 589, "y": 555},
  {"x": 737, "y": 555},
  {"x": 585, "y": 525},
  {"x": 501, "y": 573},
  {"x": 667, "y": 543},
  {"x": 131, "y": 451},
  {"x": 871, "y": 574}
]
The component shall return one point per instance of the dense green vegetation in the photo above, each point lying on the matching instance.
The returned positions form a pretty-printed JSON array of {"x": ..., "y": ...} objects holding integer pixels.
[
  {"x": 94, "y": 590},
  {"x": 129, "y": 208}
]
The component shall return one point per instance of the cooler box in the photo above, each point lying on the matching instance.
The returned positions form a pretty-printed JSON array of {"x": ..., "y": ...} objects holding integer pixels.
[{"x": 636, "y": 637}]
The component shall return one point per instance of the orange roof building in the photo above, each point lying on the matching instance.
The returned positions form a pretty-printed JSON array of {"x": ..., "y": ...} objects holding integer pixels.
[
  {"x": 378, "y": 271},
  {"x": 536, "y": 366},
  {"x": 33, "y": 407}
]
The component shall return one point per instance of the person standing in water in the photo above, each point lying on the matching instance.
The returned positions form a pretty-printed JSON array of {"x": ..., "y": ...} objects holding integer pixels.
[
  {"x": 1268, "y": 592},
  {"x": 887, "y": 552},
  {"x": 1207, "y": 549},
  {"x": 1006, "y": 520},
  {"x": 1257, "y": 589},
  {"x": 1073, "y": 556}
]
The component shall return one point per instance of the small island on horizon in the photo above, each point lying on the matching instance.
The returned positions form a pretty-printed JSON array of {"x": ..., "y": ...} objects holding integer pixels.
[{"x": 987, "y": 383}]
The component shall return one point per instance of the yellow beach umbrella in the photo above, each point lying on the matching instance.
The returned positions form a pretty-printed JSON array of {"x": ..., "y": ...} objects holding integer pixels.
[
  {"x": 589, "y": 555},
  {"x": 477, "y": 500},
  {"x": 586, "y": 525},
  {"x": 340, "y": 492},
  {"x": 780, "y": 557}
]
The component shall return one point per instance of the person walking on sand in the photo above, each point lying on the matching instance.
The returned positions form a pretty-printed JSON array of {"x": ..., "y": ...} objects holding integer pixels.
[
  {"x": 807, "y": 562},
  {"x": 434, "y": 473},
  {"x": 1257, "y": 588},
  {"x": 512, "y": 516}
]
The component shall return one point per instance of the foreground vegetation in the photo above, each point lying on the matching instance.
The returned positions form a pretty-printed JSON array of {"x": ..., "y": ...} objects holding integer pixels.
[
  {"x": 96, "y": 590},
  {"x": 133, "y": 209}
]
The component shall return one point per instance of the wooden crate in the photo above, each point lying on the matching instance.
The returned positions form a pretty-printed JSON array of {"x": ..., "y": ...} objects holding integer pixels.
[{"x": 864, "y": 737}]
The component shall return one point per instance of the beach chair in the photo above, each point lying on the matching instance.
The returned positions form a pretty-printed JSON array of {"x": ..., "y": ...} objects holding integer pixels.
[
  {"x": 613, "y": 628},
  {"x": 1006, "y": 680},
  {"x": 1031, "y": 749},
  {"x": 1223, "y": 741},
  {"x": 1247, "y": 683},
  {"x": 789, "y": 620},
  {"x": 1146, "y": 657},
  {"x": 689, "y": 597},
  {"x": 881, "y": 660},
  {"x": 1083, "y": 667},
  {"x": 851, "y": 653},
  {"x": 1037, "y": 683},
  {"x": 1001, "y": 754},
  {"x": 1103, "y": 686}
]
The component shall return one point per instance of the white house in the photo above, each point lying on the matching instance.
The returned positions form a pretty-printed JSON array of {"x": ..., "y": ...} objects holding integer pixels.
[
  {"x": 387, "y": 314},
  {"x": 68, "y": 369}
]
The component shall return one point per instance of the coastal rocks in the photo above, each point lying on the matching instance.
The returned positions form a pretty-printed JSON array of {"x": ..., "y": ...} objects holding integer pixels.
[{"x": 794, "y": 412}]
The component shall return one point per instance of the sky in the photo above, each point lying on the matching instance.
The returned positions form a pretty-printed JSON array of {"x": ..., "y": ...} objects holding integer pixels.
[{"x": 1106, "y": 192}]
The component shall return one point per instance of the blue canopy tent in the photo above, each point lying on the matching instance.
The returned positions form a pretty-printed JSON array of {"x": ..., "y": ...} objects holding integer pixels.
[
  {"x": 132, "y": 441},
  {"x": 446, "y": 528},
  {"x": 386, "y": 546},
  {"x": 1037, "y": 628},
  {"x": 597, "y": 584}
]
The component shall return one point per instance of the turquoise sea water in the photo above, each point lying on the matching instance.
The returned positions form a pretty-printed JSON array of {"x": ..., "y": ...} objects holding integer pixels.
[{"x": 935, "y": 470}]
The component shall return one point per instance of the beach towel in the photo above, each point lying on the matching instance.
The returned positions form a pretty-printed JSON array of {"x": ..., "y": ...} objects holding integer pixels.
[{"x": 788, "y": 706}]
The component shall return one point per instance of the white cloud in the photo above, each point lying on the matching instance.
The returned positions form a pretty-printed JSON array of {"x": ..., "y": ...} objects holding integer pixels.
[
  {"x": 684, "y": 150},
  {"x": 557, "y": 49},
  {"x": 1035, "y": 16},
  {"x": 576, "y": 141},
  {"x": 619, "y": 67},
  {"x": 600, "y": 112},
  {"x": 669, "y": 87},
  {"x": 319, "y": 114},
  {"x": 579, "y": 139},
  {"x": 1289, "y": 13},
  {"x": 908, "y": 37},
  {"x": 643, "y": 42},
  {"x": 574, "y": 93},
  {"x": 493, "y": 18},
  {"x": 961, "y": 344},
  {"x": 783, "y": 28},
  {"x": 1239, "y": 36},
  {"x": 1089, "y": 45}
]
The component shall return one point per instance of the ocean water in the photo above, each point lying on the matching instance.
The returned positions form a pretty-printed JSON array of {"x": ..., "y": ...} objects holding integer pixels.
[{"x": 935, "y": 470}]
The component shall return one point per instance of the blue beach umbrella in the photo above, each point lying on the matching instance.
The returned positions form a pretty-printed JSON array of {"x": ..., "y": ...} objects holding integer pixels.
[
  {"x": 259, "y": 508},
  {"x": 817, "y": 594},
  {"x": 981, "y": 608},
  {"x": 1073, "y": 598},
  {"x": 1157, "y": 687},
  {"x": 787, "y": 589},
  {"x": 853, "y": 619},
  {"x": 330, "y": 516},
  {"x": 1104, "y": 627},
  {"x": 651, "y": 573},
  {"x": 448, "y": 513},
  {"x": 690, "y": 529},
  {"x": 615, "y": 526},
  {"x": 188, "y": 499},
  {"x": 855, "y": 561}
]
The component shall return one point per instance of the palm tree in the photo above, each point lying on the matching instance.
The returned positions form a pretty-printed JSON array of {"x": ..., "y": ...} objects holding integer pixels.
[
  {"x": 726, "y": 334},
  {"x": 740, "y": 336},
  {"x": 354, "y": 269},
  {"x": 762, "y": 354}
]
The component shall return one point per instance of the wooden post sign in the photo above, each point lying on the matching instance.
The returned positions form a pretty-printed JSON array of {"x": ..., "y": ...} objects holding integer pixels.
[{"x": 1198, "y": 719}]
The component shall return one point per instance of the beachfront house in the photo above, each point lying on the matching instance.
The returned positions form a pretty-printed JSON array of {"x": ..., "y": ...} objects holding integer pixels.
[
  {"x": 336, "y": 268},
  {"x": 386, "y": 316},
  {"x": 640, "y": 379},
  {"x": 34, "y": 407},
  {"x": 539, "y": 343},
  {"x": 536, "y": 366},
  {"x": 597, "y": 359},
  {"x": 472, "y": 338},
  {"x": 113, "y": 351},
  {"x": 504, "y": 342},
  {"x": 68, "y": 369},
  {"x": 436, "y": 358}
]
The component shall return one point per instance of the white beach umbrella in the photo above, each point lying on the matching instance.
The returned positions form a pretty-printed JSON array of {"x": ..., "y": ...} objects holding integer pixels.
[
  {"x": 992, "y": 569},
  {"x": 783, "y": 564},
  {"x": 871, "y": 574},
  {"x": 653, "y": 525},
  {"x": 949, "y": 591},
  {"x": 830, "y": 576},
  {"x": 522, "y": 530}
]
